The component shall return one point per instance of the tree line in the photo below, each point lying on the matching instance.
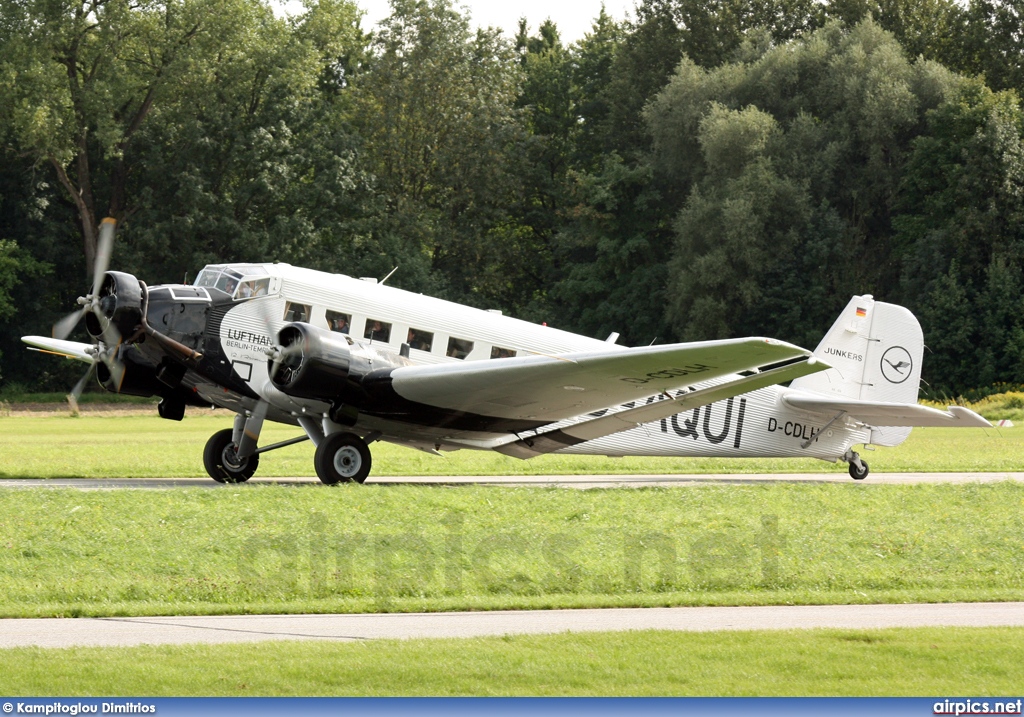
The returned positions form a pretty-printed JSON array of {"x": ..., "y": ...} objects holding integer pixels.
[{"x": 701, "y": 170}]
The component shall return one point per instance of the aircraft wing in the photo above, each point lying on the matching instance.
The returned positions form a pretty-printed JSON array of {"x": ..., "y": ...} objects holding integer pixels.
[
  {"x": 880, "y": 413},
  {"x": 546, "y": 389},
  {"x": 653, "y": 409},
  {"x": 68, "y": 349}
]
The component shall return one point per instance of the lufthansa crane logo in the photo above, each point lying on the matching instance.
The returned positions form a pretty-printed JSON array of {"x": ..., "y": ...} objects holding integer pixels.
[{"x": 897, "y": 364}]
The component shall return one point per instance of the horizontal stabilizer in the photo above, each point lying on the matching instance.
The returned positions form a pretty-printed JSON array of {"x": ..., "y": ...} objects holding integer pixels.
[
  {"x": 68, "y": 349},
  {"x": 664, "y": 406},
  {"x": 880, "y": 413}
]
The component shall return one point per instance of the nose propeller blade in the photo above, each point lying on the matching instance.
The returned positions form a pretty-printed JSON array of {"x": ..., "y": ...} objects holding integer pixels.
[
  {"x": 110, "y": 339},
  {"x": 62, "y": 328},
  {"x": 111, "y": 342},
  {"x": 104, "y": 247},
  {"x": 76, "y": 392}
]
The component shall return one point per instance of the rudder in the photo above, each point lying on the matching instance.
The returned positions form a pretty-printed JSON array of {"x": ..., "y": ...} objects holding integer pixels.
[{"x": 875, "y": 350}]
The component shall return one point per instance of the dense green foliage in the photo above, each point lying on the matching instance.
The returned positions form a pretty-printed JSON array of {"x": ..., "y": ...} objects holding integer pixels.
[{"x": 702, "y": 170}]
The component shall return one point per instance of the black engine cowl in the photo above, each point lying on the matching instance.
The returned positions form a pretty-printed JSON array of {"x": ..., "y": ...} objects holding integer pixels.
[
  {"x": 319, "y": 364},
  {"x": 135, "y": 380},
  {"x": 120, "y": 301}
]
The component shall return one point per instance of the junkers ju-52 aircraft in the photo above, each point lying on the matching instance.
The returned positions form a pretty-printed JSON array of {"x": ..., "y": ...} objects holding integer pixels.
[{"x": 352, "y": 361}]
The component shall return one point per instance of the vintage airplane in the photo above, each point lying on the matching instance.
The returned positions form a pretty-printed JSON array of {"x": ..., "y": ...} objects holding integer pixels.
[{"x": 352, "y": 361}]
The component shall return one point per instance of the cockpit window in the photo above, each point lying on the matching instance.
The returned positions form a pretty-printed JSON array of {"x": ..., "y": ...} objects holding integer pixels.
[
  {"x": 228, "y": 282},
  {"x": 224, "y": 279},
  {"x": 251, "y": 287},
  {"x": 208, "y": 277}
]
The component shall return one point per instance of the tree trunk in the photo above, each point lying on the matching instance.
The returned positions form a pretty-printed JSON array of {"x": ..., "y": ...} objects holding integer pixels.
[{"x": 86, "y": 213}]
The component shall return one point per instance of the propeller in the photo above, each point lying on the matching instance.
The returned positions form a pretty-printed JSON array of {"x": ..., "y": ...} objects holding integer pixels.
[
  {"x": 80, "y": 386},
  {"x": 91, "y": 302},
  {"x": 109, "y": 341},
  {"x": 278, "y": 353},
  {"x": 247, "y": 444}
]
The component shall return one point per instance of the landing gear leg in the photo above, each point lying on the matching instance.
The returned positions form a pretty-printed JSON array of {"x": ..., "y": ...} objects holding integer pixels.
[
  {"x": 342, "y": 458},
  {"x": 858, "y": 468},
  {"x": 220, "y": 458}
]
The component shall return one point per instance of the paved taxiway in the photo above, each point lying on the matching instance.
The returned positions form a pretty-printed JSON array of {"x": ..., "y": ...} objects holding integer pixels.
[
  {"x": 126, "y": 631},
  {"x": 576, "y": 481}
]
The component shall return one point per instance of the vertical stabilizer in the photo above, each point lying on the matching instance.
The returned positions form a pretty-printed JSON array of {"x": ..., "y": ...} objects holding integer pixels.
[{"x": 875, "y": 350}]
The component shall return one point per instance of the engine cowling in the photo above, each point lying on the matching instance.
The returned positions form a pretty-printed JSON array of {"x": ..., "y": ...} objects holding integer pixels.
[
  {"x": 318, "y": 364},
  {"x": 135, "y": 380},
  {"x": 120, "y": 302}
]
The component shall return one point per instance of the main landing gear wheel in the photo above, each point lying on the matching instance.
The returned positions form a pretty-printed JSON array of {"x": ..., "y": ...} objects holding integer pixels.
[
  {"x": 858, "y": 468},
  {"x": 220, "y": 457},
  {"x": 342, "y": 458}
]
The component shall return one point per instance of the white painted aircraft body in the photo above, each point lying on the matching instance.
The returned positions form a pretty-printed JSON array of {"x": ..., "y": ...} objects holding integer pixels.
[{"x": 440, "y": 376}]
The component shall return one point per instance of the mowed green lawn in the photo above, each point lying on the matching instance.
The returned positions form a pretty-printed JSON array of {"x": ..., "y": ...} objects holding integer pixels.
[
  {"x": 100, "y": 446},
  {"x": 388, "y": 548},
  {"x": 369, "y": 548},
  {"x": 899, "y": 662}
]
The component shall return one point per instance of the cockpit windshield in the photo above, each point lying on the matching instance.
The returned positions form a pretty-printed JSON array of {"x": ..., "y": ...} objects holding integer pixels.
[{"x": 232, "y": 281}]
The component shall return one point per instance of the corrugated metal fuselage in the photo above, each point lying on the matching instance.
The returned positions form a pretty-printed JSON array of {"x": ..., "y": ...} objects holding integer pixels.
[{"x": 239, "y": 333}]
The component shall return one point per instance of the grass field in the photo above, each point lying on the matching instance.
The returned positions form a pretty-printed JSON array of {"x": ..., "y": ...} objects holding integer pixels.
[
  {"x": 65, "y": 552},
  {"x": 394, "y": 548},
  {"x": 147, "y": 446},
  {"x": 901, "y": 662}
]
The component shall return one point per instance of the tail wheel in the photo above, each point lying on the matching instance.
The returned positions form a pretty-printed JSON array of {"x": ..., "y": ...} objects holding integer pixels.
[
  {"x": 858, "y": 469},
  {"x": 342, "y": 458},
  {"x": 220, "y": 458}
]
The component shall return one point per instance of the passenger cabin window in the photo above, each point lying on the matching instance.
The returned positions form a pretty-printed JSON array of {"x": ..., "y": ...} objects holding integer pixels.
[
  {"x": 498, "y": 352},
  {"x": 252, "y": 287},
  {"x": 459, "y": 348},
  {"x": 420, "y": 339},
  {"x": 377, "y": 330},
  {"x": 296, "y": 312},
  {"x": 337, "y": 321}
]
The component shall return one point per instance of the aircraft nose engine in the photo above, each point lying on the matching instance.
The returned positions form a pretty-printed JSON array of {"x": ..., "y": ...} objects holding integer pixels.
[
  {"x": 310, "y": 362},
  {"x": 120, "y": 301}
]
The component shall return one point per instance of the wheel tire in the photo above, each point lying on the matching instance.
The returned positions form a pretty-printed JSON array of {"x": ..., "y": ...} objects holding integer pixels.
[
  {"x": 342, "y": 458},
  {"x": 222, "y": 464},
  {"x": 857, "y": 473}
]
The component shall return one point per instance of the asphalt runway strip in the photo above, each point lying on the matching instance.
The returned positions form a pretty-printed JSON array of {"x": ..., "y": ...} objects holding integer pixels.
[
  {"x": 128, "y": 631},
  {"x": 563, "y": 481}
]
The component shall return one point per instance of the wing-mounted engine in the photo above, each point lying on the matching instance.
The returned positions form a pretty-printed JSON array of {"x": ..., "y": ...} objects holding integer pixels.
[{"x": 310, "y": 362}]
